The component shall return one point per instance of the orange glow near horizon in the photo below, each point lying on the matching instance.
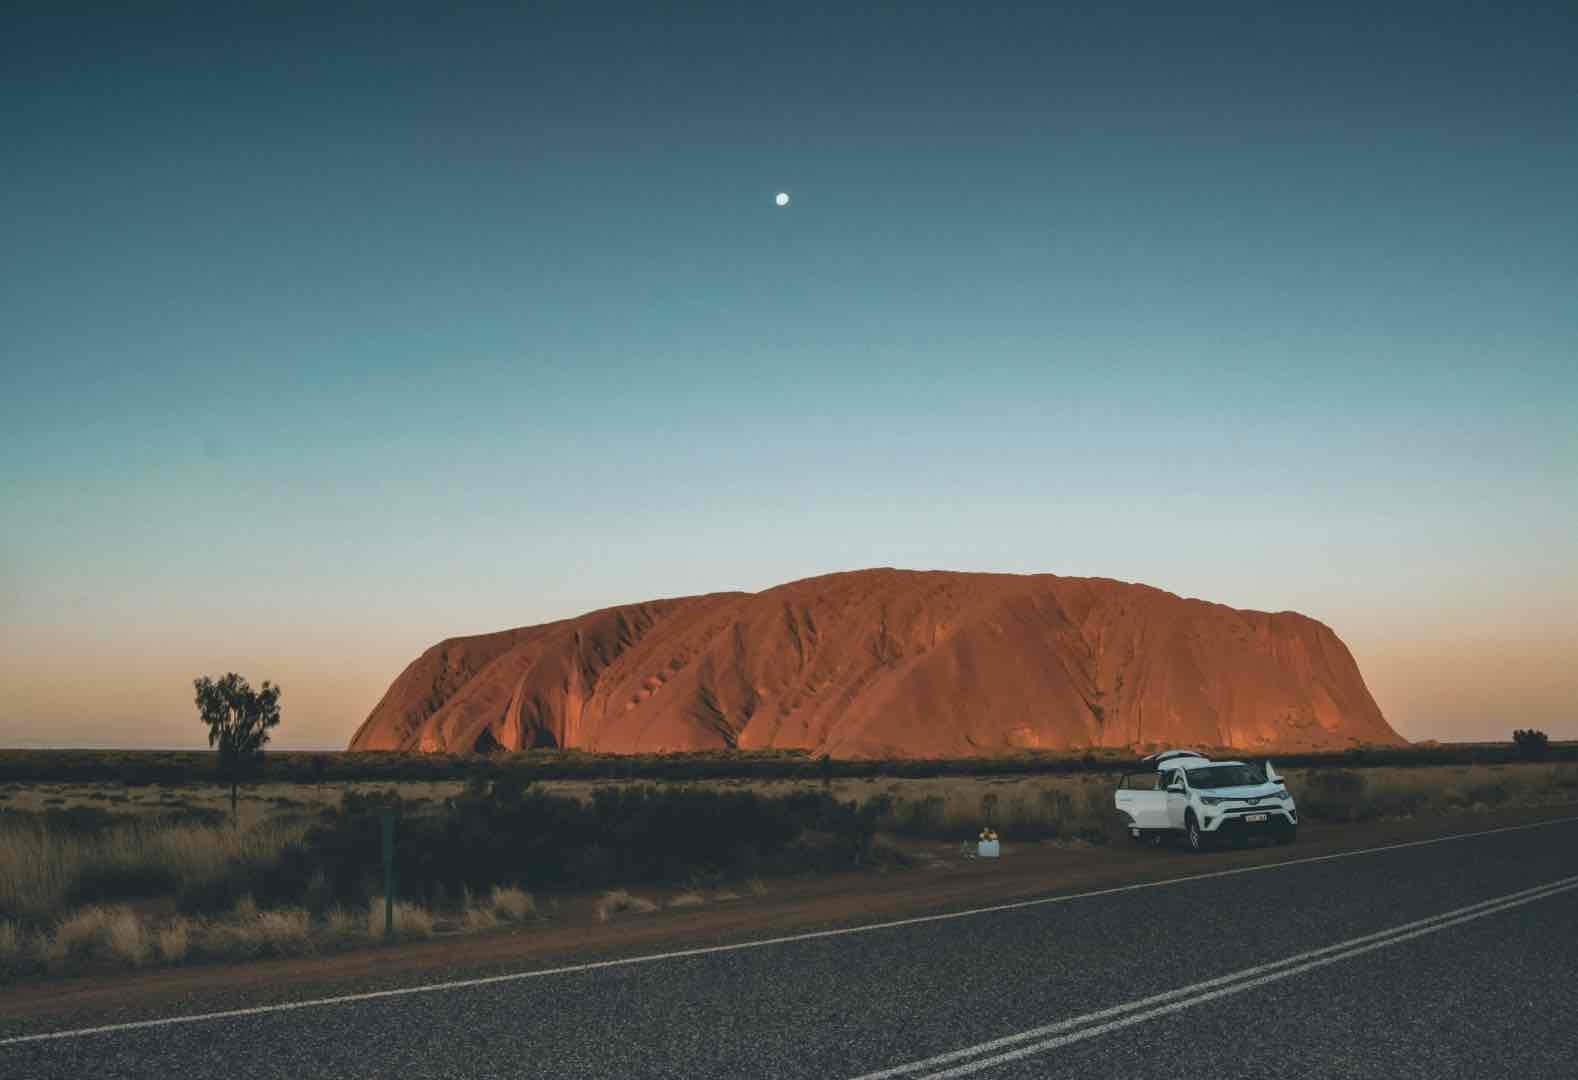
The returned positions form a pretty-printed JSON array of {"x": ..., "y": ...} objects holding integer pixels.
[{"x": 1447, "y": 689}]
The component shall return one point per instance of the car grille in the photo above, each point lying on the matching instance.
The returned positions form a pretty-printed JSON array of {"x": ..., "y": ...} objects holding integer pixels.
[{"x": 1263, "y": 808}]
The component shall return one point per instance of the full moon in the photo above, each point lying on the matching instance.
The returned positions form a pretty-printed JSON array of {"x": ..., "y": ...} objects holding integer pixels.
[{"x": 782, "y": 199}]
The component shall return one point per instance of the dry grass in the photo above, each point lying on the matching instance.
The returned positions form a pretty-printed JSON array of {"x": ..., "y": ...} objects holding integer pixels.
[
  {"x": 81, "y": 936},
  {"x": 687, "y": 900},
  {"x": 258, "y": 804},
  {"x": 507, "y": 903},
  {"x": 411, "y": 921},
  {"x": 478, "y": 918},
  {"x": 43, "y": 870},
  {"x": 1079, "y": 807},
  {"x": 283, "y": 930},
  {"x": 341, "y": 925},
  {"x": 1392, "y": 793},
  {"x": 174, "y": 941},
  {"x": 618, "y": 901},
  {"x": 512, "y": 902},
  {"x": 125, "y": 937}
]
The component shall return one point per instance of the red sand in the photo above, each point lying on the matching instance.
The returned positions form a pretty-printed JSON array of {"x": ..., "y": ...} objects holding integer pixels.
[{"x": 890, "y": 663}]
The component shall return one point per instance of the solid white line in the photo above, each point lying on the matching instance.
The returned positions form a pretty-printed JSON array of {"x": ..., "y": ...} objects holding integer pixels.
[
  {"x": 681, "y": 954},
  {"x": 1235, "y": 988},
  {"x": 1496, "y": 903}
]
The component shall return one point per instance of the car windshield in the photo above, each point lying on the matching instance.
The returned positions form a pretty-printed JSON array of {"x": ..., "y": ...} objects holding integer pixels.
[{"x": 1220, "y": 776}]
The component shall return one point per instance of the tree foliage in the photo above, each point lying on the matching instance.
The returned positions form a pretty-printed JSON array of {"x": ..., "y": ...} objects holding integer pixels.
[
  {"x": 238, "y": 720},
  {"x": 1532, "y": 745}
]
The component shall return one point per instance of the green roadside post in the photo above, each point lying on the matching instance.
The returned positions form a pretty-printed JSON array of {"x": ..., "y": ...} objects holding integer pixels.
[{"x": 388, "y": 821}]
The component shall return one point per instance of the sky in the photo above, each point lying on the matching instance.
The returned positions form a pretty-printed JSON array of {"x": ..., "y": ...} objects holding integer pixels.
[{"x": 327, "y": 335}]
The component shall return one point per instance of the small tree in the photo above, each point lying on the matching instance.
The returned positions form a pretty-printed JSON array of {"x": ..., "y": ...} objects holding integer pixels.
[
  {"x": 238, "y": 720},
  {"x": 1531, "y": 744}
]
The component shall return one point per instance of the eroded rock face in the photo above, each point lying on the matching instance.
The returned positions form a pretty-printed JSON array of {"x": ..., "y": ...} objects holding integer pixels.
[{"x": 890, "y": 663}]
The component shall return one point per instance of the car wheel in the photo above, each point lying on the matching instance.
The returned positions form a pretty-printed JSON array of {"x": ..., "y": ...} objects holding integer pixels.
[
  {"x": 1197, "y": 839},
  {"x": 1288, "y": 835}
]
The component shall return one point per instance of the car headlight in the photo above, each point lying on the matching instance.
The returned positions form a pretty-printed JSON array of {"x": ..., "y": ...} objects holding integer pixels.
[{"x": 1211, "y": 800}]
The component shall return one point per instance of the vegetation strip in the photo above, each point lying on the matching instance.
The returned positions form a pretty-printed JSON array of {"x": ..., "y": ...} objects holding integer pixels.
[
  {"x": 491, "y": 980},
  {"x": 143, "y": 767}
]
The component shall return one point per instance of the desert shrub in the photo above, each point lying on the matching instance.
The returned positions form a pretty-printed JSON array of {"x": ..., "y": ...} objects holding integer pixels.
[
  {"x": 1057, "y": 812},
  {"x": 1332, "y": 795},
  {"x": 1384, "y": 802},
  {"x": 619, "y": 901},
  {"x": 197, "y": 816},
  {"x": 920, "y": 817},
  {"x": 84, "y": 935},
  {"x": 507, "y": 831},
  {"x": 1488, "y": 794},
  {"x": 44, "y": 869},
  {"x": 103, "y": 882},
  {"x": 411, "y": 921},
  {"x": 478, "y": 918},
  {"x": 1531, "y": 745},
  {"x": 84, "y": 820},
  {"x": 125, "y": 938},
  {"x": 511, "y": 902},
  {"x": 342, "y": 925},
  {"x": 173, "y": 941}
]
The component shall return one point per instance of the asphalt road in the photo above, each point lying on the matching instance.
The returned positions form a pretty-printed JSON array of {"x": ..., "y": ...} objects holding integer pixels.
[{"x": 1449, "y": 959}]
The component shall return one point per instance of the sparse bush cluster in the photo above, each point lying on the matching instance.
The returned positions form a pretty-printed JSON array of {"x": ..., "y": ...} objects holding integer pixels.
[
  {"x": 1532, "y": 745},
  {"x": 504, "y": 832},
  {"x": 1080, "y": 812},
  {"x": 1339, "y": 795},
  {"x": 169, "y": 768}
]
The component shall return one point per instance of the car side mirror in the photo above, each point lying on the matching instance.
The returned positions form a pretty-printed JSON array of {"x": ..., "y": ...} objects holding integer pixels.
[{"x": 1176, "y": 787}]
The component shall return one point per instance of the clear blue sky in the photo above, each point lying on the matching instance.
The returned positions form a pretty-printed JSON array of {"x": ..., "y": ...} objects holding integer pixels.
[{"x": 327, "y": 336}]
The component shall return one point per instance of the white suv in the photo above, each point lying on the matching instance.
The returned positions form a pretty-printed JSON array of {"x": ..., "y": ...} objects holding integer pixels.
[{"x": 1182, "y": 793}]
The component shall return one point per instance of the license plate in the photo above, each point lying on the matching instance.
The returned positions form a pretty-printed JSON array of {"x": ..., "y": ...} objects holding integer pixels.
[{"x": 1254, "y": 817}]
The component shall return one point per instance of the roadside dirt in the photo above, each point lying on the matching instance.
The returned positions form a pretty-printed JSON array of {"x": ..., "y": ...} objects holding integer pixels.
[{"x": 571, "y": 932}]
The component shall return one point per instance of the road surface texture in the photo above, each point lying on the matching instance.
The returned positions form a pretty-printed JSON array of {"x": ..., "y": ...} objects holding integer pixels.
[{"x": 1450, "y": 958}]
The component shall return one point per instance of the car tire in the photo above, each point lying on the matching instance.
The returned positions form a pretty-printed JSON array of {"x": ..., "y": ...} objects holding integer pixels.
[
  {"x": 1288, "y": 835},
  {"x": 1197, "y": 839}
]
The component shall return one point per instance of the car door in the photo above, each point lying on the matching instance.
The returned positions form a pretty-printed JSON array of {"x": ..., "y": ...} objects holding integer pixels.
[
  {"x": 1141, "y": 797},
  {"x": 1177, "y": 798}
]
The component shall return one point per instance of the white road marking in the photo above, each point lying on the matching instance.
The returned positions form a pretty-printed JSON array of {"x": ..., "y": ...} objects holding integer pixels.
[
  {"x": 681, "y": 954},
  {"x": 1233, "y": 983},
  {"x": 1235, "y": 988}
]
